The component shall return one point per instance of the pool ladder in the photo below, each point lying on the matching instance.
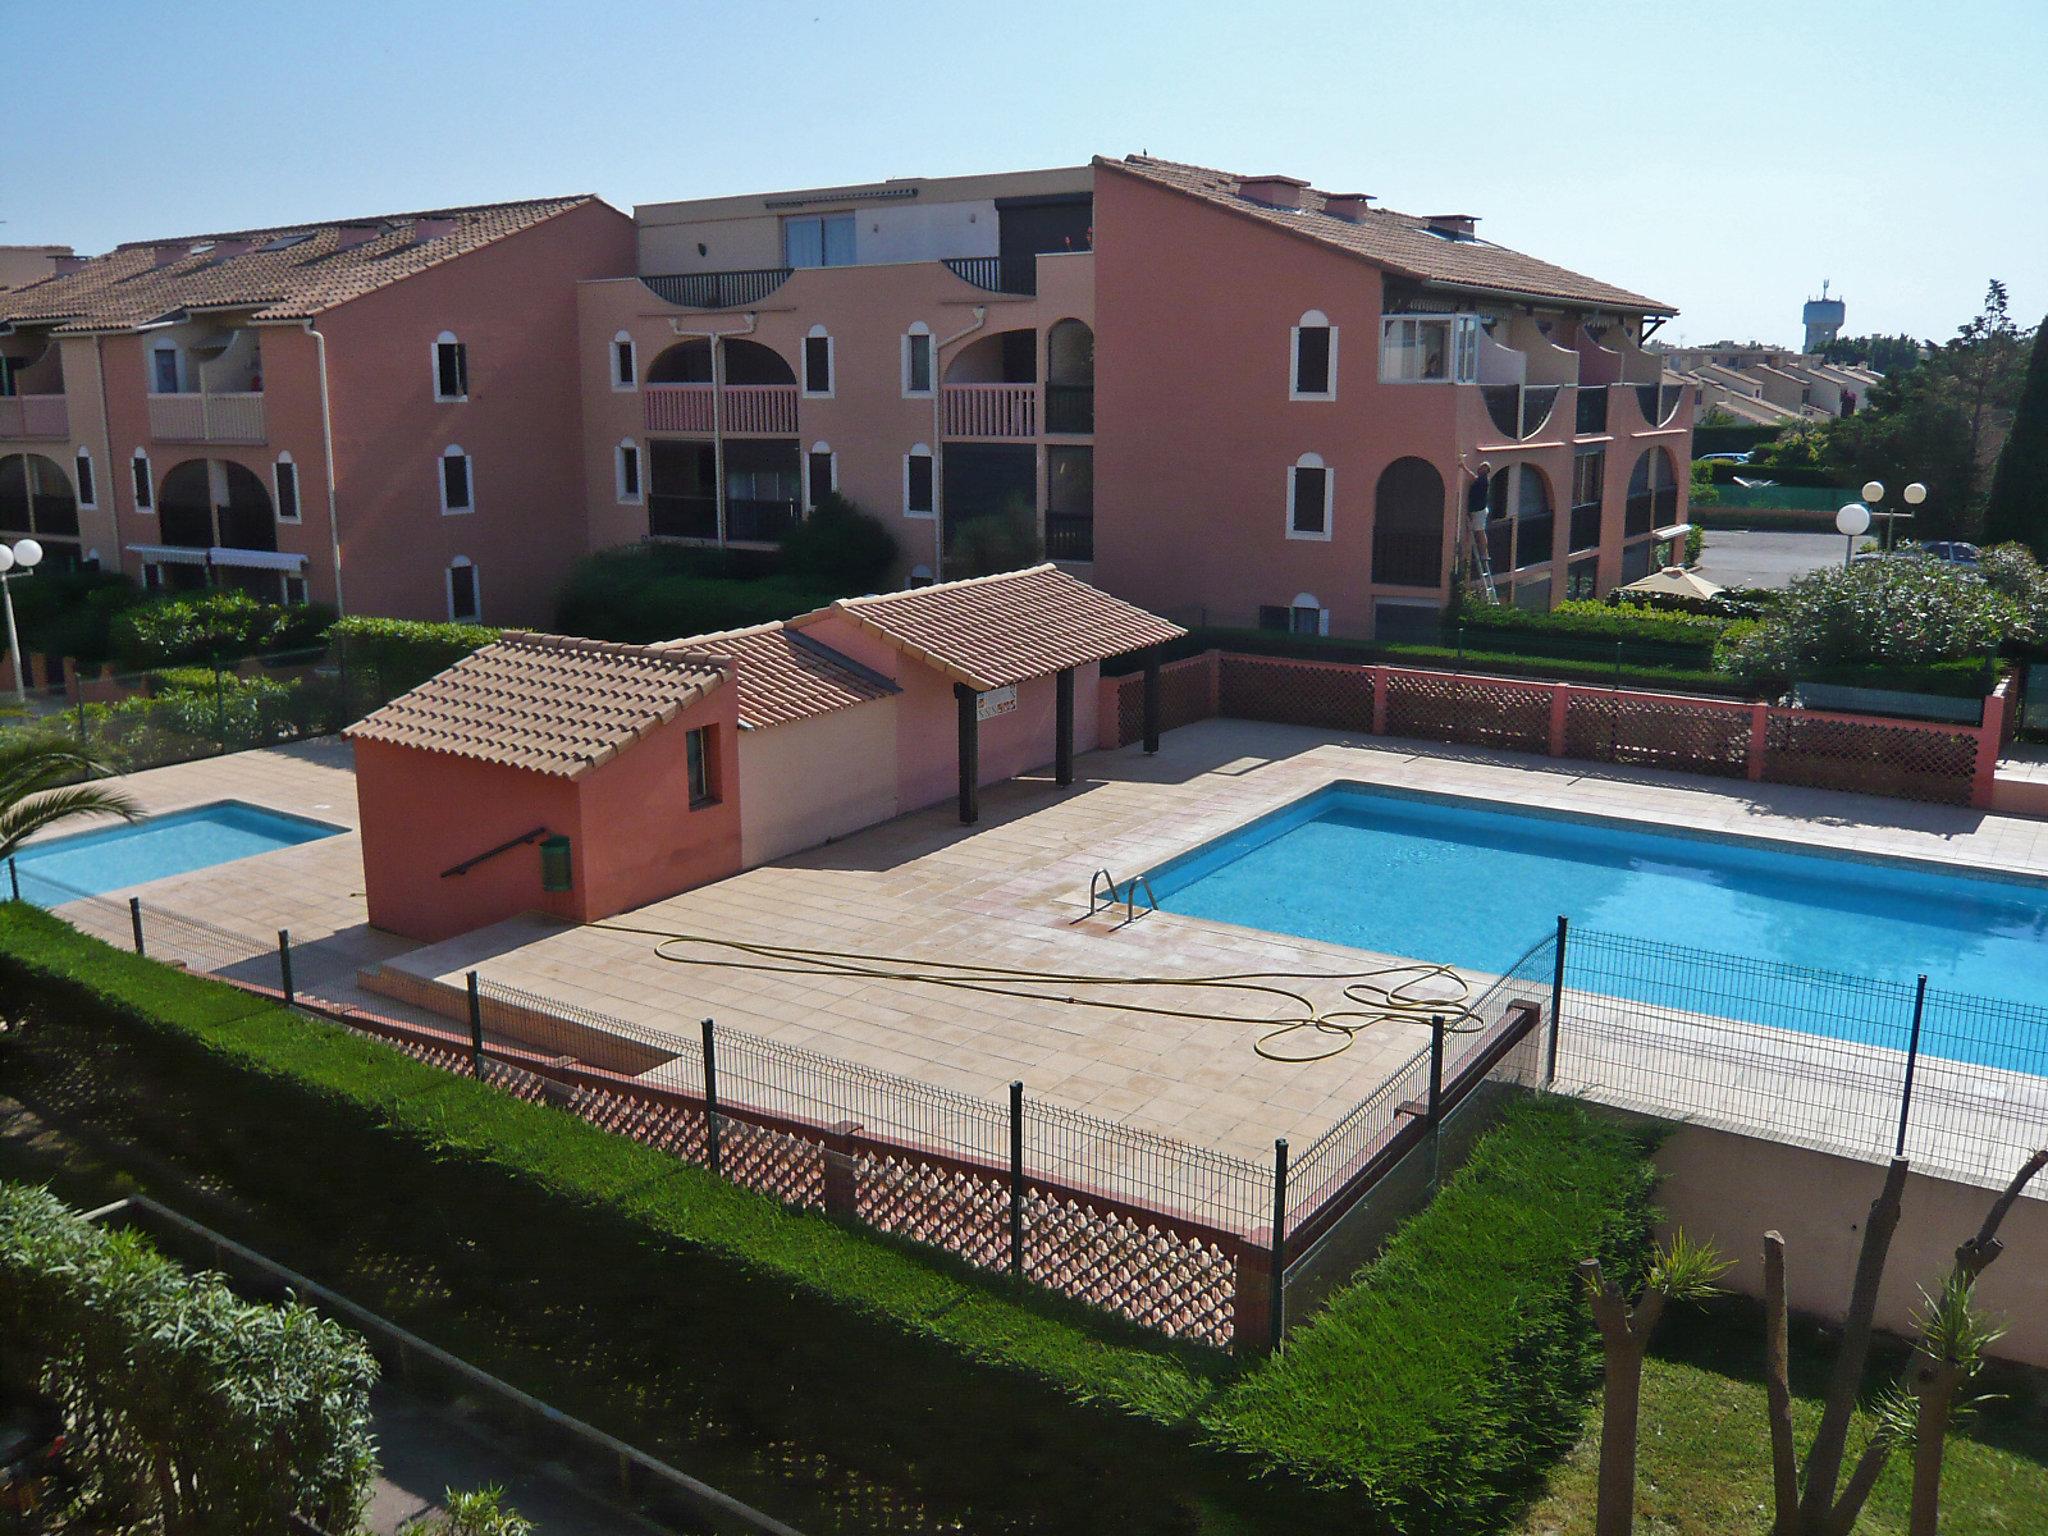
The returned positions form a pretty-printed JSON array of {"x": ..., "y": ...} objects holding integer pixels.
[{"x": 1104, "y": 894}]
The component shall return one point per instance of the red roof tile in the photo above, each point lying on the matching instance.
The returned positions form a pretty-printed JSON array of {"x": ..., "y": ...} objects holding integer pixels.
[{"x": 786, "y": 676}]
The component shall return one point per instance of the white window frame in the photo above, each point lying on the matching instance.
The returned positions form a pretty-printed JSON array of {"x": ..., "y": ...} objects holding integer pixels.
[
  {"x": 476, "y": 590},
  {"x": 803, "y": 378},
  {"x": 285, "y": 461},
  {"x": 920, "y": 329},
  {"x": 920, "y": 451},
  {"x": 1461, "y": 347},
  {"x": 178, "y": 372},
  {"x": 448, "y": 339},
  {"x": 1308, "y": 600},
  {"x": 82, "y": 455},
  {"x": 454, "y": 451},
  {"x": 1315, "y": 319},
  {"x": 629, "y": 385},
  {"x": 626, "y": 498},
  {"x": 142, "y": 508},
  {"x": 811, "y": 492},
  {"x": 1312, "y": 461},
  {"x": 305, "y": 591}
]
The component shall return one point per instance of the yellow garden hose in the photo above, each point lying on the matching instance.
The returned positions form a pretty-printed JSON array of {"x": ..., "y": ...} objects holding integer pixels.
[{"x": 1424, "y": 991}]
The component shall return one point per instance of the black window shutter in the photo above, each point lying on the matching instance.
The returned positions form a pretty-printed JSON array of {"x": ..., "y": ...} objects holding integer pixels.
[
  {"x": 921, "y": 483},
  {"x": 818, "y": 364},
  {"x": 1312, "y": 360},
  {"x": 142, "y": 491},
  {"x": 1308, "y": 500},
  {"x": 85, "y": 495},
  {"x": 287, "y": 490},
  {"x": 821, "y": 476},
  {"x": 455, "y": 480}
]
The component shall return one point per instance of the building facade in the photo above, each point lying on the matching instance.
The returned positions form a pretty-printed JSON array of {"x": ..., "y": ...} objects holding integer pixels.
[{"x": 376, "y": 413}]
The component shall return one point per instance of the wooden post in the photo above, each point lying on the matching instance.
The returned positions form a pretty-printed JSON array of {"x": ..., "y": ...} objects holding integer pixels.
[
  {"x": 970, "y": 754},
  {"x": 1560, "y": 704},
  {"x": 1063, "y": 726},
  {"x": 841, "y": 1169},
  {"x": 1151, "y": 702}
]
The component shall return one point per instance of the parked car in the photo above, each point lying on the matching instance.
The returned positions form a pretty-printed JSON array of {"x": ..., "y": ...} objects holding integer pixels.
[
  {"x": 1952, "y": 550},
  {"x": 1724, "y": 458},
  {"x": 31, "y": 1453}
]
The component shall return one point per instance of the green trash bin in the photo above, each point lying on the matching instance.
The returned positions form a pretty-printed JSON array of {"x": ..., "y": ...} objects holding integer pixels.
[{"x": 554, "y": 864}]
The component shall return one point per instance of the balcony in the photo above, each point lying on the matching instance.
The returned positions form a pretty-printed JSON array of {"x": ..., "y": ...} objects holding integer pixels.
[
  {"x": 991, "y": 410},
  {"x": 1641, "y": 514},
  {"x": 719, "y": 290},
  {"x": 1519, "y": 410},
  {"x": 767, "y": 410},
  {"x": 1070, "y": 409},
  {"x": 749, "y": 521},
  {"x": 1659, "y": 402},
  {"x": 1592, "y": 420},
  {"x": 682, "y": 517},
  {"x": 1585, "y": 529},
  {"x": 208, "y": 418},
  {"x": 1070, "y": 535},
  {"x": 34, "y": 416},
  {"x": 997, "y": 274}
]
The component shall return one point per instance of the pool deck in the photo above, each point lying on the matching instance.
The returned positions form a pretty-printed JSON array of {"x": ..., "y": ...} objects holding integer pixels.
[{"x": 1012, "y": 891}]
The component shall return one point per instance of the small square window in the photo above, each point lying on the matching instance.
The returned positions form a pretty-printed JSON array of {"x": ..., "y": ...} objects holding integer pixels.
[{"x": 451, "y": 370}]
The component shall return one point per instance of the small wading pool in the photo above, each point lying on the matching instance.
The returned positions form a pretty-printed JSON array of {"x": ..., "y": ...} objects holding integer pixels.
[
  {"x": 121, "y": 854},
  {"x": 1433, "y": 877}
]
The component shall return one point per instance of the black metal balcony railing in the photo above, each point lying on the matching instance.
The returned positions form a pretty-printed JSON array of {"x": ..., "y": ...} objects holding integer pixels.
[
  {"x": 748, "y": 521},
  {"x": 1585, "y": 527},
  {"x": 997, "y": 274},
  {"x": 1070, "y": 535},
  {"x": 1659, "y": 402},
  {"x": 682, "y": 517},
  {"x": 1070, "y": 408},
  {"x": 57, "y": 514},
  {"x": 1641, "y": 514},
  {"x": 1407, "y": 559},
  {"x": 1519, "y": 410},
  {"x": 1592, "y": 410},
  {"x": 719, "y": 290},
  {"x": 1533, "y": 536}
]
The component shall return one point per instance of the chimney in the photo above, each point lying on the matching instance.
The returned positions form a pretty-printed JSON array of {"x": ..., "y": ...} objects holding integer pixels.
[
  {"x": 66, "y": 264},
  {"x": 348, "y": 236},
  {"x": 1456, "y": 226},
  {"x": 1349, "y": 206},
  {"x": 426, "y": 229},
  {"x": 1273, "y": 191},
  {"x": 167, "y": 254}
]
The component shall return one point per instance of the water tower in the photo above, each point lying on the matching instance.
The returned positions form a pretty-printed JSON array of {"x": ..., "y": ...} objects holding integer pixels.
[{"x": 1823, "y": 317}]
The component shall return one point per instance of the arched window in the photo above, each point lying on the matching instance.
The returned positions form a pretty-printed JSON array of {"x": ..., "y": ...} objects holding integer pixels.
[
  {"x": 918, "y": 372},
  {"x": 1408, "y": 525},
  {"x": 917, "y": 483},
  {"x": 626, "y": 470},
  {"x": 818, "y": 378},
  {"x": 284, "y": 481},
  {"x": 87, "y": 481},
  {"x": 625, "y": 363},
  {"x": 821, "y": 474},
  {"x": 1314, "y": 358},
  {"x": 1652, "y": 493},
  {"x": 1309, "y": 491},
  {"x": 451, "y": 368},
  {"x": 465, "y": 596},
  {"x": 1535, "y": 518},
  {"x": 144, "y": 484},
  {"x": 1307, "y": 616},
  {"x": 458, "y": 490}
]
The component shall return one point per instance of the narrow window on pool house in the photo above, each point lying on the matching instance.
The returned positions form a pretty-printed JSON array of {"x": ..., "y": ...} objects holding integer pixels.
[
  {"x": 465, "y": 603},
  {"x": 703, "y": 781}
]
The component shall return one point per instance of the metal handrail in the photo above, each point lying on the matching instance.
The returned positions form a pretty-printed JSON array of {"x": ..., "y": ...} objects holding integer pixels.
[{"x": 491, "y": 853}]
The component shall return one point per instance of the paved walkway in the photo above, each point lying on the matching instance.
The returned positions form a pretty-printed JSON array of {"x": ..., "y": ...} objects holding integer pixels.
[{"x": 1741, "y": 557}]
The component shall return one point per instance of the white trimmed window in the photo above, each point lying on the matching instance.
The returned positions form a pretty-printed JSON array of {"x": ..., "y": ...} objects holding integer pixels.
[
  {"x": 458, "y": 490},
  {"x": 626, "y": 470},
  {"x": 451, "y": 368},
  {"x": 818, "y": 364},
  {"x": 145, "y": 485},
  {"x": 465, "y": 597},
  {"x": 88, "y": 486},
  {"x": 285, "y": 480},
  {"x": 918, "y": 500},
  {"x": 917, "y": 362},
  {"x": 1313, "y": 356},
  {"x": 625, "y": 363},
  {"x": 294, "y": 589},
  {"x": 821, "y": 474},
  {"x": 1307, "y": 616},
  {"x": 1309, "y": 487}
]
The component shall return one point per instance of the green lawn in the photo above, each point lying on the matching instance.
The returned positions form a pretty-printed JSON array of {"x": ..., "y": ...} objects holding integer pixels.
[{"x": 1704, "y": 1462}]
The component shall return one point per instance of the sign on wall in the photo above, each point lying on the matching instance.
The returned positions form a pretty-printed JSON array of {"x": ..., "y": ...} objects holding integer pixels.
[{"x": 996, "y": 702}]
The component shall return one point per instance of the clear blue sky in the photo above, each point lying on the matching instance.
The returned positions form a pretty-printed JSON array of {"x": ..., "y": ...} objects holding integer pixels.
[{"x": 1725, "y": 156}]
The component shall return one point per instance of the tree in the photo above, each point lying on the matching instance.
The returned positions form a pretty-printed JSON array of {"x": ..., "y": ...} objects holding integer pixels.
[
  {"x": 994, "y": 542},
  {"x": 839, "y": 546},
  {"x": 39, "y": 789},
  {"x": 1683, "y": 1271},
  {"x": 1881, "y": 354},
  {"x": 2018, "y": 508}
]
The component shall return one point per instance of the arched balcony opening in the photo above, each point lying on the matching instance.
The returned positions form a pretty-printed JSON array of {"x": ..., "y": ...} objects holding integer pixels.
[
  {"x": 1070, "y": 378},
  {"x": 1652, "y": 493},
  {"x": 1408, "y": 525},
  {"x": 32, "y": 388},
  {"x": 1520, "y": 518},
  {"x": 37, "y": 500},
  {"x": 991, "y": 387},
  {"x": 759, "y": 394}
]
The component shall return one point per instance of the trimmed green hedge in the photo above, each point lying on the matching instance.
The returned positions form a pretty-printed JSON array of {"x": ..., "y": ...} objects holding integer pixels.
[
  {"x": 403, "y": 653},
  {"x": 1457, "y": 1365},
  {"x": 645, "y": 596},
  {"x": 1581, "y": 620}
]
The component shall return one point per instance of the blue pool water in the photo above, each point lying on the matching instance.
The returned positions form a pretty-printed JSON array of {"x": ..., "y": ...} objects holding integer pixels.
[
  {"x": 123, "y": 854},
  {"x": 1435, "y": 878}
]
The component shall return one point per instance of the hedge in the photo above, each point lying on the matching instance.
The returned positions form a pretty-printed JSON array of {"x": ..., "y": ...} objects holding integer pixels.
[
  {"x": 1809, "y": 476},
  {"x": 197, "y": 1410},
  {"x": 1458, "y": 1363},
  {"x": 645, "y": 596},
  {"x": 1582, "y": 620},
  {"x": 403, "y": 653}
]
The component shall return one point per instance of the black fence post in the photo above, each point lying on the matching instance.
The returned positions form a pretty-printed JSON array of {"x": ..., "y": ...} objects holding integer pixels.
[
  {"x": 1617, "y": 663},
  {"x": 284, "y": 962},
  {"x": 1279, "y": 1256},
  {"x": 1436, "y": 1068},
  {"x": 476, "y": 1026},
  {"x": 711, "y": 1095},
  {"x": 13, "y": 877},
  {"x": 135, "y": 922},
  {"x": 1017, "y": 1180},
  {"x": 1556, "y": 1003},
  {"x": 1912, "y": 1061}
]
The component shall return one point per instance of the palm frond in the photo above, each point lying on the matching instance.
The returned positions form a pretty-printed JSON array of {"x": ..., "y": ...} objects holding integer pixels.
[{"x": 23, "y": 818}]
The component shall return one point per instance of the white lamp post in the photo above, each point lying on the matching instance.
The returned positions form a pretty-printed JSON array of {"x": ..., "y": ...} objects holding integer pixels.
[
  {"x": 1852, "y": 521},
  {"x": 26, "y": 555}
]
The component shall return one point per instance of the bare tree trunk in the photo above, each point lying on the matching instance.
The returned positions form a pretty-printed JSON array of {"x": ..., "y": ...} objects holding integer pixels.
[
  {"x": 1625, "y": 1337},
  {"x": 1778, "y": 1388},
  {"x": 1824, "y": 1457},
  {"x": 1936, "y": 1391}
]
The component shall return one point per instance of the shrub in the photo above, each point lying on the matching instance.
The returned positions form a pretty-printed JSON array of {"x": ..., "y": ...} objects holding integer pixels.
[
  {"x": 483, "y": 1512},
  {"x": 211, "y": 624},
  {"x": 71, "y": 613},
  {"x": 646, "y": 596},
  {"x": 207, "y": 1412},
  {"x": 1592, "y": 620},
  {"x": 1898, "y": 612},
  {"x": 993, "y": 542},
  {"x": 1458, "y": 1363},
  {"x": 403, "y": 653},
  {"x": 839, "y": 546}
]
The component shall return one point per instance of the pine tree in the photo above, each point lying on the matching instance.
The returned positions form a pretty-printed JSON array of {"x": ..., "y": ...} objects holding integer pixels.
[{"x": 2018, "y": 509}]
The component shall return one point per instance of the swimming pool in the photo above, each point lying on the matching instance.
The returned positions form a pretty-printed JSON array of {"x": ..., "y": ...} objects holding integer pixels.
[
  {"x": 123, "y": 854},
  {"x": 1471, "y": 884}
]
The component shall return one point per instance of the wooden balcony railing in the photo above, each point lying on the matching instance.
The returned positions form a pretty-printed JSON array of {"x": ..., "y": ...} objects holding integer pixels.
[
  {"x": 34, "y": 416},
  {"x": 768, "y": 409},
  {"x": 991, "y": 410},
  {"x": 208, "y": 418}
]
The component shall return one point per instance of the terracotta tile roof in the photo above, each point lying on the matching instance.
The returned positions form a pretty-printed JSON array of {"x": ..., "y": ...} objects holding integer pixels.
[
  {"x": 990, "y": 631},
  {"x": 785, "y": 675},
  {"x": 269, "y": 271},
  {"x": 547, "y": 703},
  {"x": 1399, "y": 242}
]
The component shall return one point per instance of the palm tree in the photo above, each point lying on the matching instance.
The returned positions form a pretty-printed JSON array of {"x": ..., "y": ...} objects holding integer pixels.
[{"x": 40, "y": 786}]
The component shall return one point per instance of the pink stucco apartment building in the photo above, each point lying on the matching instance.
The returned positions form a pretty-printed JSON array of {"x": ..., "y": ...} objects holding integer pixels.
[
  {"x": 1237, "y": 400},
  {"x": 378, "y": 413}
]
